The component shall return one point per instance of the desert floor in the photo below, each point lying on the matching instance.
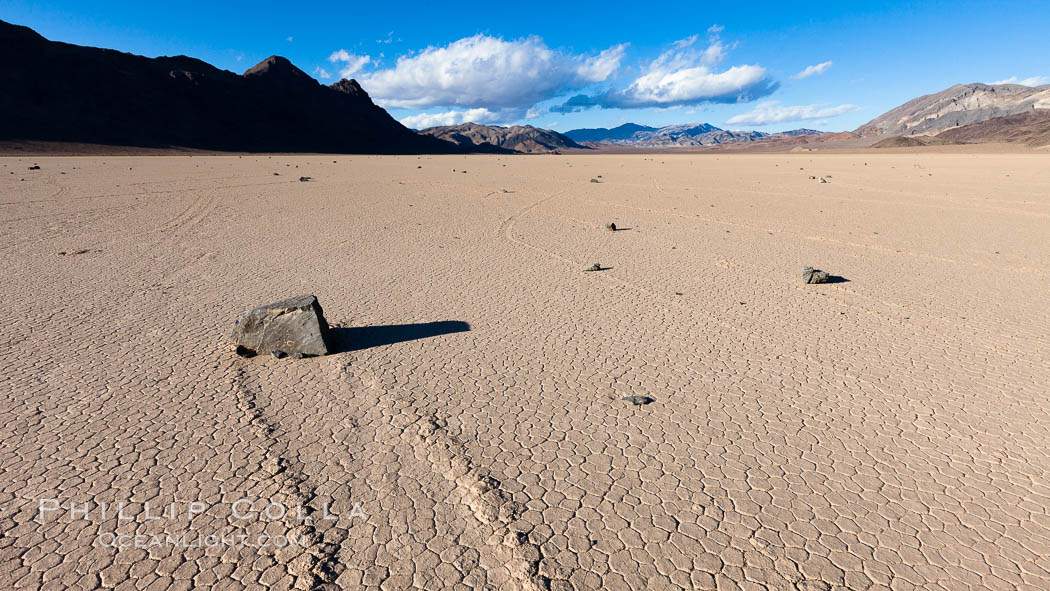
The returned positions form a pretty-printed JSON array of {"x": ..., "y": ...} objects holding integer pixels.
[{"x": 889, "y": 430}]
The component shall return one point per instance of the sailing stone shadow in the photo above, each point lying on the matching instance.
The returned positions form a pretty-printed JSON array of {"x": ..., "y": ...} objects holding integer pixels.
[{"x": 356, "y": 338}]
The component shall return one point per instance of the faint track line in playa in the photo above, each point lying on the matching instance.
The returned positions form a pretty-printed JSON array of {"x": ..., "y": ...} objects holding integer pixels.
[
  {"x": 507, "y": 227},
  {"x": 841, "y": 242},
  {"x": 194, "y": 213},
  {"x": 977, "y": 206},
  {"x": 838, "y": 241},
  {"x": 141, "y": 193},
  {"x": 660, "y": 298},
  {"x": 786, "y": 571},
  {"x": 317, "y": 563},
  {"x": 481, "y": 494}
]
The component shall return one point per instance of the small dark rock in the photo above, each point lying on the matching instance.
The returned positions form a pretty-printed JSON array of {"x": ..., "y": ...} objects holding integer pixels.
[
  {"x": 304, "y": 179},
  {"x": 594, "y": 267},
  {"x": 610, "y": 226},
  {"x": 34, "y": 167},
  {"x": 279, "y": 354},
  {"x": 637, "y": 400},
  {"x": 244, "y": 351},
  {"x": 811, "y": 275},
  {"x": 595, "y": 181}
]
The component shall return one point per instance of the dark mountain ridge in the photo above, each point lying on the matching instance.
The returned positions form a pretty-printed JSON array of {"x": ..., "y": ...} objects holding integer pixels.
[{"x": 53, "y": 91}]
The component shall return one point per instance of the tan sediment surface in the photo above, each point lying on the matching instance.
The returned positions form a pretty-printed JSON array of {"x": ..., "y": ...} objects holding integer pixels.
[{"x": 889, "y": 431}]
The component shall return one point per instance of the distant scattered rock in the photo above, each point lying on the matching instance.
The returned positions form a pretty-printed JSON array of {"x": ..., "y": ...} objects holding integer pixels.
[
  {"x": 595, "y": 181},
  {"x": 811, "y": 275},
  {"x": 34, "y": 167},
  {"x": 304, "y": 179},
  {"x": 294, "y": 327},
  {"x": 637, "y": 400},
  {"x": 594, "y": 267},
  {"x": 823, "y": 180},
  {"x": 611, "y": 226}
]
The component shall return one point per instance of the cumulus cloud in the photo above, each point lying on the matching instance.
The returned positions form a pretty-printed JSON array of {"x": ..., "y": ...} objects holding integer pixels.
[
  {"x": 773, "y": 112},
  {"x": 812, "y": 70},
  {"x": 351, "y": 64},
  {"x": 1033, "y": 81},
  {"x": 683, "y": 75},
  {"x": 600, "y": 67},
  {"x": 479, "y": 115},
  {"x": 490, "y": 72}
]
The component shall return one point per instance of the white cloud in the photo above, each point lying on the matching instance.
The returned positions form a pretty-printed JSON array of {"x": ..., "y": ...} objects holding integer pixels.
[
  {"x": 351, "y": 63},
  {"x": 715, "y": 29},
  {"x": 490, "y": 72},
  {"x": 289, "y": 39},
  {"x": 601, "y": 66},
  {"x": 683, "y": 75},
  {"x": 1033, "y": 81},
  {"x": 479, "y": 115},
  {"x": 812, "y": 70},
  {"x": 322, "y": 73},
  {"x": 773, "y": 112}
]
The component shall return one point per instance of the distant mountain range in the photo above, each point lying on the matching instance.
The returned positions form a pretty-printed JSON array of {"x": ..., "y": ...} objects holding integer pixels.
[
  {"x": 493, "y": 138},
  {"x": 676, "y": 136},
  {"x": 68, "y": 93}
]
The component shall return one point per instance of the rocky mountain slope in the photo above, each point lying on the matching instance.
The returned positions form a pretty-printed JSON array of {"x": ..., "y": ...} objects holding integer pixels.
[
  {"x": 59, "y": 92},
  {"x": 957, "y": 106},
  {"x": 517, "y": 138},
  {"x": 1031, "y": 128},
  {"x": 676, "y": 136}
]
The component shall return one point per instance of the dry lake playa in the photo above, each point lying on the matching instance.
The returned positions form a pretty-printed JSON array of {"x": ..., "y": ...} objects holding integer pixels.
[{"x": 885, "y": 430}]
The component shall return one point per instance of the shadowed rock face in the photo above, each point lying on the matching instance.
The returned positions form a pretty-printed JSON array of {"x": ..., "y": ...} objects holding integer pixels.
[
  {"x": 55, "y": 91},
  {"x": 294, "y": 327}
]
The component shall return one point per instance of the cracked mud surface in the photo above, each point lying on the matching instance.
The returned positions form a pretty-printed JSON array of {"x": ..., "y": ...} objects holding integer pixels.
[{"x": 885, "y": 432}]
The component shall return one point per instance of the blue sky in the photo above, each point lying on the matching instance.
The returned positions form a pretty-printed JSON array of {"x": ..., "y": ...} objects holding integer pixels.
[{"x": 564, "y": 65}]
